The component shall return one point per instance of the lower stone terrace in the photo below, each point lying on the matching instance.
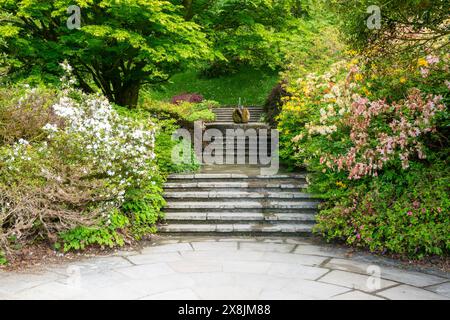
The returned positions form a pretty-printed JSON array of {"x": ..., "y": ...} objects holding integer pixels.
[{"x": 228, "y": 268}]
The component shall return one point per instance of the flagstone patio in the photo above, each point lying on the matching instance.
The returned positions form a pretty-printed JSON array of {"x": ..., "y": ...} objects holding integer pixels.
[{"x": 236, "y": 268}]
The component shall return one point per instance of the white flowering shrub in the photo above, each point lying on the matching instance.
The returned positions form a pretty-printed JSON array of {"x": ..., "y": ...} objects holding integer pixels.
[
  {"x": 115, "y": 147},
  {"x": 87, "y": 176}
]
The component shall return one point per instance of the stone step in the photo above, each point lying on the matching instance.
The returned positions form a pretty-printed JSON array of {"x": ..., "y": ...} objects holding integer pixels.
[
  {"x": 246, "y": 156},
  {"x": 253, "y": 118},
  {"x": 246, "y": 228},
  {"x": 233, "y": 186},
  {"x": 236, "y": 184},
  {"x": 229, "y": 125},
  {"x": 245, "y": 160},
  {"x": 234, "y": 107},
  {"x": 217, "y": 217},
  {"x": 240, "y": 205},
  {"x": 240, "y": 141},
  {"x": 239, "y": 144},
  {"x": 236, "y": 176},
  {"x": 230, "y": 116},
  {"x": 230, "y": 113},
  {"x": 236, "y": 195},
  {"x": 213, "y": 148}
]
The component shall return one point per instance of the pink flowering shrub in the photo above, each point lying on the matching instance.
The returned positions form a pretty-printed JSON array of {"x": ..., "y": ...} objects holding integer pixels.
[
  {"x": 371, "y": 146},
  {"x": 187, "y": 97},
  {"x": 376, "y": 148}
]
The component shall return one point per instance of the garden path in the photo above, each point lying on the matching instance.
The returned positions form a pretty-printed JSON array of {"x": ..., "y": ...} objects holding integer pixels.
[{"x": 228, "y": 268}]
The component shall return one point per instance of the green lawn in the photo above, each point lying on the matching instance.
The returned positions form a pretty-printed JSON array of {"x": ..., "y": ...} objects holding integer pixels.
[{"x": 252, "y": 86}]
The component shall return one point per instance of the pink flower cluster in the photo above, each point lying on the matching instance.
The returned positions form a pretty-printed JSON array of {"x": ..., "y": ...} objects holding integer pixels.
[{"x": 406, "y": 122}]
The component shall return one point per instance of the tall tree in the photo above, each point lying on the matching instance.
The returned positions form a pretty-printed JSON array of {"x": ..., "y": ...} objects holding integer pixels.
[
  {"x": 247, "y": 31},
  {"x": 120, "y": 46},
  {"x": 405, "y": 26}
]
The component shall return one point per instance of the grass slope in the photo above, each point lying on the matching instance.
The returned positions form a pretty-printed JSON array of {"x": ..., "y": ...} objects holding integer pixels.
[{"x": 252, "y": 86}]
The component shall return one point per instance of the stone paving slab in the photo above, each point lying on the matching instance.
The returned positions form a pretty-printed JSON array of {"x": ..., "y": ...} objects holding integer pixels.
[
  {"x": 224, "y": 268},
  {"x": 93, "y": 265},
  {"x": 303, "y": 289},
  {"x": 173, "y": 247},
  {"x": 214, "y": 246},
  {"x": 226, "y": 292},
  {"x": 321, "y": 251},
  {"x": 146, "y": 271},
  {"x": 93, "y": 281},
  {"x": 354, "y": 281},
  {"x": 198, "y": 266},
  {"x": 442, "y": 289},
  {"x": 296, "y": 270},
  {"x": 161, "y": 284},
  {"x": 49, "y": 291},
  {"x": 180, "y": 294},
  {"x": 246, "y": 267},
  {"x": 304, "y": 260},
  {"x": 267, "y": 247},
  {"x": 148, "y": 258},
  {"x": 18, "y": 282},
  {"x": 356, "y": 295},
  {"x": 224, "y": 255},
  {"x": 409, "y": 277},
  {"x": 410, "y": 293}
]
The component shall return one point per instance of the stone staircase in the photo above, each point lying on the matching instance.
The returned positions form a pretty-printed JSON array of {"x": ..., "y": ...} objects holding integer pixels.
[
  {"x": 225, "y": 114},
  {"x": 236, "y": 203},
  {"x": 235, "y": 198},
  {"x": 241, "y": 150}
]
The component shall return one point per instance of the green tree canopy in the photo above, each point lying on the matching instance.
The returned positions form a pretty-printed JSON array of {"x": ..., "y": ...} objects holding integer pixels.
[
  {"x": 120, "y": 46},
  {"x": 247, "y": 31},
  {"x": 407, "y": 26}
]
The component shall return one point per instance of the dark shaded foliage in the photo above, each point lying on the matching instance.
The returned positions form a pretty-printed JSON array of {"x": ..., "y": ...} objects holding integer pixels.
[
  {"x": 274, "y": 102},
  {"x": 187, "y": 97}
]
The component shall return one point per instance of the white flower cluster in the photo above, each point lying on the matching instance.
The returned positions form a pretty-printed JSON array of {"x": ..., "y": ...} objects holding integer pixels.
[
  {"x": 322, "y": 130},
  {"x": 120, "y": 148},
  {"x": 17, "y": 152},
  {"x": 117, "y": 146}
]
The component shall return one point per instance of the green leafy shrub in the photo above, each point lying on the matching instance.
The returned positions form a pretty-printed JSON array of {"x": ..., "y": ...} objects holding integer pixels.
[
  {"x": 107, "y": 234},
  {"x": 164, "y": 150},
  {"x": 3, "y": 260},
  {"x": 405, "y": 213},
  {"x": 183, "y": 112},
  {"x": 24, "y": 112},
  {"x": 143, "y": 207}
]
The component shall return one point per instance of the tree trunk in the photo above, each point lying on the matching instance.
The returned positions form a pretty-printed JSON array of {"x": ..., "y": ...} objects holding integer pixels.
[
  {"x": 188, "y": 9},
  {"x": 128, "y": 95}
]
